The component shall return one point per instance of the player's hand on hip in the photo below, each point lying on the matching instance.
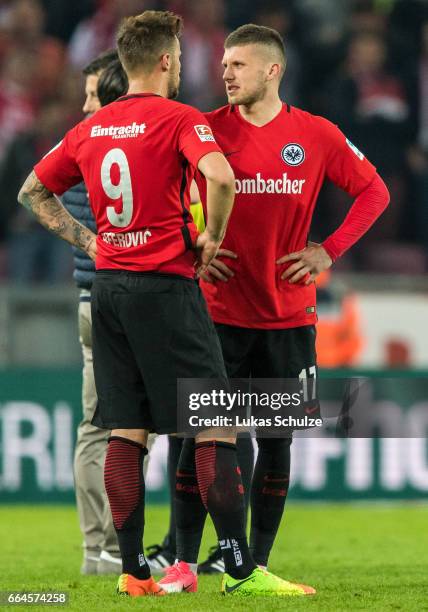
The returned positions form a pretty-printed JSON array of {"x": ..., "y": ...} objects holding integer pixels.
[
  {"x": 217, "y": 269},
  {"x": 206, "y": 249},
  {"x": 311, "y": 261}
]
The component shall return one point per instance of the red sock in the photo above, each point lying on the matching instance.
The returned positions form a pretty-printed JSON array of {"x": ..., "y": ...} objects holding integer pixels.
[
  {"x": 222, "y": 493},
  {"x": 124, "y": 483}
]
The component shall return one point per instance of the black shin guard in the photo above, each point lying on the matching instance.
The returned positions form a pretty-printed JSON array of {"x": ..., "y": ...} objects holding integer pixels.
[
  {"x": 174, "y": 450},
  {"x": 268, "y": 494},
  {"x": 190, "y": 510},
  {"x": 245, "y": 454}
]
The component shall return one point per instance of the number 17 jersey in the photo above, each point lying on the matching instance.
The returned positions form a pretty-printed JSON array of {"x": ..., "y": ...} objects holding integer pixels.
[
  {"x": 279, "y": 170},
  {"x": 137, "y": 158}
]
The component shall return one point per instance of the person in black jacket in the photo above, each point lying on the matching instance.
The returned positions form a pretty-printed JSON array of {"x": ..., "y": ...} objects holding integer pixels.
[{"x": 101, "y": 550}]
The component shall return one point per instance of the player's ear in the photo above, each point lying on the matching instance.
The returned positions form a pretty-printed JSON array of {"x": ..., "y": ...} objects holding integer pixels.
[
  {"x": 274, "y": 71},
  {"x": 166, "y": 62}
]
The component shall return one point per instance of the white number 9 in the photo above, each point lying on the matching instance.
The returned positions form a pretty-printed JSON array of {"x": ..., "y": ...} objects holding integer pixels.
[{"x": 123, "y": 189}]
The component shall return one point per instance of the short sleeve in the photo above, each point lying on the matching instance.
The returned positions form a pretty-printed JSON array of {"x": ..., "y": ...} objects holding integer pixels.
[
  {"x": 195, "y": 137},
  {"x": 346, "y": 166},
  {"x": 58, "y": 170}
]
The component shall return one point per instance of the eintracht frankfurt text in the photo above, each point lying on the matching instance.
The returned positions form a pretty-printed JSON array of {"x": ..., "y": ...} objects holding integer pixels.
[{"x": 116, "y": 131}]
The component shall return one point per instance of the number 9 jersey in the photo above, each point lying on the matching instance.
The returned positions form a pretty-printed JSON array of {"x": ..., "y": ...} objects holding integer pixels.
[{"x": 137, "y": 157}]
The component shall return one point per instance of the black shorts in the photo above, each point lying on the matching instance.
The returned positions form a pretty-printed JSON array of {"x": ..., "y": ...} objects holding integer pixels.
[
  {"x": 268, "y": 353},
  {"x": 274, "y": 353},
  {"x": 148, "y": 330}
]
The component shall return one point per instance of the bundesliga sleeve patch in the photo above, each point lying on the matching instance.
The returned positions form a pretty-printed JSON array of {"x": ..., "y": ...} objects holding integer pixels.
[{"x": 204, "y": 132}]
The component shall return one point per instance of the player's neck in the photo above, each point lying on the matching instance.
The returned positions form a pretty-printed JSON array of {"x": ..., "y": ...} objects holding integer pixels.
[
  {"x": 148, "y": 85},
  {"x": 262, "y": 112}
]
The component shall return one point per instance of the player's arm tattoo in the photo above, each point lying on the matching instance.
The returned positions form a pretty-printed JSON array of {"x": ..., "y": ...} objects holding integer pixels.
[{"x": 51, "y": 213}]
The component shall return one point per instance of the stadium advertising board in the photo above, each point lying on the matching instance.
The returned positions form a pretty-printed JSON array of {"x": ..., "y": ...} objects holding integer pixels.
[{"x": 40, "y": 410}]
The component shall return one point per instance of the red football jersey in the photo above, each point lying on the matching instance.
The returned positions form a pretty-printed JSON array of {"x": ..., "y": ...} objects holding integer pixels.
[
  {"x": 137, "y": 158},
  {"x": 279, "y": 170}
]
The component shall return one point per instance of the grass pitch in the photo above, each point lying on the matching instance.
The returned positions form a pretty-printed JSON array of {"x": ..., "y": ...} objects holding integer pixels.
[{"x": 357, "y": 557}]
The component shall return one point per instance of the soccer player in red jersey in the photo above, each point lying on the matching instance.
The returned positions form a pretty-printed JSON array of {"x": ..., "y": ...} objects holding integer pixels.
[
  {"x": 260, "y": 288},
  {"x": 150, "y": 324}
]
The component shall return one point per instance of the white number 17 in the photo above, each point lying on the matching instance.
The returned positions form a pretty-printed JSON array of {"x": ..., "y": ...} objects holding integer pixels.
[{"x": 303, "y": 376}]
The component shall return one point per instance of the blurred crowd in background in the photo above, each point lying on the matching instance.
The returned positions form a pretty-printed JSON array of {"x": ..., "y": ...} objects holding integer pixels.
[{"x": 361, "y": 63}]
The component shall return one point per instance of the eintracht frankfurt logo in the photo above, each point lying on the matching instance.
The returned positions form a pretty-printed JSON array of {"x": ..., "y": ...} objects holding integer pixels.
[{"x": 293, "y": 154}]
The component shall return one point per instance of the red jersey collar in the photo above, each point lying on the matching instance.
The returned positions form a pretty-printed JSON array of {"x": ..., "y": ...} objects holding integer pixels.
[
  {"x": 235, "y": 109},
  {"x": 137, "y": 95}
]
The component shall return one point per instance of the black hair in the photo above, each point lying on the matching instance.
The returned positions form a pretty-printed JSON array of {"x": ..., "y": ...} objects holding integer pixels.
[
  {"x": 112, "y": 83},
  {"x": 101, "y": 62}
]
